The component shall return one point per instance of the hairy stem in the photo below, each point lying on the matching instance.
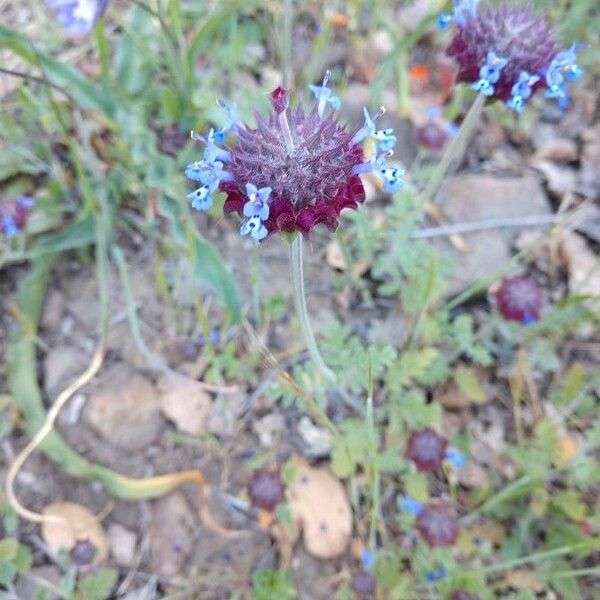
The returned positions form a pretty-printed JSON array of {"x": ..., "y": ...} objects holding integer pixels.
[{"x": 297, "y": 271}]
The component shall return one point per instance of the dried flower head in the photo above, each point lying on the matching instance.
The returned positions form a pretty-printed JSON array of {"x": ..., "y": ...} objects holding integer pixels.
[
  {"x": 427, "y": 449},
  {"x": 437, "y": 524},
  {"x": 83, "y": 552},
  {"x": 508, "y": 52},
  {"x": 265, "y": 489},
  {"x": 78, "y": 17},
  {"x": 14, "y": 215},
  {"x": 294, "y": 169},
  {"x": 519, "y": 298}
]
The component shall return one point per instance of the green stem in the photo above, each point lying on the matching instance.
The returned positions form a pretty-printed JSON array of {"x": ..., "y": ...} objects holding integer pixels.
[
  {"x": 591, "y": 544},
  {"x": 455, "y": 150},
  {"x": 297, "y": 272}
]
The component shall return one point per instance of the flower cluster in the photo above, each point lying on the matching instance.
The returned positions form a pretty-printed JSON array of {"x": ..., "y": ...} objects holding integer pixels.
[
  {"x": 519, "y": 298},
  {"x": 509, "y": 52},
  {"x": 78, "y": 17},
  {"x": 427, "y": 449},
  {"x": 295, "y": 169},
  {"x": 14, "y": 215},
  {"x": 436, "y": 521}
]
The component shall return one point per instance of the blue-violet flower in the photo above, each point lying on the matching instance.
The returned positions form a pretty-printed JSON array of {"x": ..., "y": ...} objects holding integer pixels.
[
  {"x": 14, "y": 215},
  {"x": 78, "y": 17}
]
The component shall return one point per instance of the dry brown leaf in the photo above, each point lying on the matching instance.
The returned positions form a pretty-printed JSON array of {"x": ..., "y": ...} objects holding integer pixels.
[
  {"x": 185, "y": 402},
  {"x": 486, "y": 530},
  {"x": 583, "y": 265},
  {"x": 319, "y": 504},
  {"x": 524, "y": 579},
  {"x": 77, "y": 524},
  {"x": 336, "y": 259}
]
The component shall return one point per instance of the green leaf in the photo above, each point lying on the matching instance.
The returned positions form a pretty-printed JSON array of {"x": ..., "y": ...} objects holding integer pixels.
[
  {"x": 206, "y": 259},
  {"x": 76, "y": 235},
  {"x": 417, "y": 486},
  {"x": 284, "y": 514},
  {"x": 98, "y": 585},
  {"x": 570, "y": 504},
  {"x": 23, "y": 559},
  {"x": 268, "y": 584},
  {"x": 467, "y": 381},
  {"x": 8, "y": 549},
  {"x": 571, "y": 385},
  {"x": 82, "y": 89},
  {"x": 411, "y": 365},
  {"x": 7, "y": 572}
]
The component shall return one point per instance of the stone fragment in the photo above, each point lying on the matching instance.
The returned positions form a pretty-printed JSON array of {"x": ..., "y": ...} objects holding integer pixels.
[
  {"x": 474, "y": 197},
  {"x": 171, "y": 534},
  {"x": 122, "y": 544},
  {"x": 123, "y": 408}
]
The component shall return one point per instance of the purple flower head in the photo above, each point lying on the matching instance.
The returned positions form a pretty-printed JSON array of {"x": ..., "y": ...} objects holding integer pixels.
[
  {"x": 508, "y": 52},
  {"x": 364, "y": 584},
  {"x": 78, "y": 17},
  {"x": 14, "y": 215},
  {"x": 427, "y": 449},
  {"x": 297, "y": 168},
  {"x": 519, "y": 298},
  {"x": 265, "y": 489},
  {"x": 437, "y": 524}
]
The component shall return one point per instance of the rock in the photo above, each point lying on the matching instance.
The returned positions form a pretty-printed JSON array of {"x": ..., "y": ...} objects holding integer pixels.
[
  {"x": 52, "y": 312},
  {"x": 123, "y": 408},
  {"x": 122, "y": 544},
  {"x": 269, "y": 429},
  {"x": 589, "y": 182},
  {"x": 61, "y": 365},
  {"x": 185, "y": 402},
  {"x": 32, "y": 585},
  {"x": 317, "y": 439},
  {"x": 560, "y": 150},
  {"x": 391, "y": 330},
  {"x": 588, "y": 222},
  {"x": 171, "y": 534},
  {"x": 474, "y": 197}
]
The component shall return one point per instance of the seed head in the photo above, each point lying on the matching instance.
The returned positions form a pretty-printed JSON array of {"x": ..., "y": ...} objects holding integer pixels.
[
  {"x": 265, "y": 489},
  {"x": 519, "y": 298},
  {"x": 437, "y": 524},
  {"x": 508, "y": 52},
  {"x": 292, "y": 170}
]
